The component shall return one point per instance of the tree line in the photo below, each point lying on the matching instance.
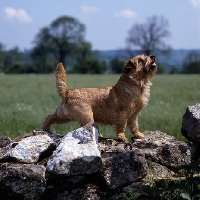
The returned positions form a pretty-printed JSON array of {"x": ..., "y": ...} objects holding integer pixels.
[{"x": 64, "y": 41}]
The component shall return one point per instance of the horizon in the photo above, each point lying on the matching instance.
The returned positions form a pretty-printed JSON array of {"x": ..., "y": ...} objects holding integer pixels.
[{"x": 107, "y": 23}]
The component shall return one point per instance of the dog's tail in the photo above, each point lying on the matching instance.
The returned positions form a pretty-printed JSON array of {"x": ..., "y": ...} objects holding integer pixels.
[{"x": 61, "y": 80}]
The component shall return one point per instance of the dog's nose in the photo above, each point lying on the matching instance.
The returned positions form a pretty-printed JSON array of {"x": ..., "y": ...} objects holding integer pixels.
[{"x": 152, "y": 57}]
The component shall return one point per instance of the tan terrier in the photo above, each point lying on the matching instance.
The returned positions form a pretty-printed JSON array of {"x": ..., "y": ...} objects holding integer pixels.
[{"x": 118, "y": 105}]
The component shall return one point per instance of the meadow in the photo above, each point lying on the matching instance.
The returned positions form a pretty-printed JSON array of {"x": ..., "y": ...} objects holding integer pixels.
[{"x": 25, "y": 100}]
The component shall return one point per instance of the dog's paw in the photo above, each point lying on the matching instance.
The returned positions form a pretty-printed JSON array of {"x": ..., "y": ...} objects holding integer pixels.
[
  {"x": 139, "y": 135},
  {"x": 122, "y": 137},
  {"x": 100, "y": 135}
]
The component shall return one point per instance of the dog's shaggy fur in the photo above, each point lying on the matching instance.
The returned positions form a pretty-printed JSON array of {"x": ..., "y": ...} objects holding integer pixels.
[{"x": 118, "y": 105}]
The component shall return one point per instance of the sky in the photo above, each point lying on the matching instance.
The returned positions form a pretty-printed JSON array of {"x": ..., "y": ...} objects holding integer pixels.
[{"x": 107, "y": 21}]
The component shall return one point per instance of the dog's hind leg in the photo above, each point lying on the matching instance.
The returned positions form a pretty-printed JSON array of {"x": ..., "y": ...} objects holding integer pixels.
[
  {"x": 52, "y": 119},
  {"x": 85, "y": 118},
  {"x": 81, "y": 112}
]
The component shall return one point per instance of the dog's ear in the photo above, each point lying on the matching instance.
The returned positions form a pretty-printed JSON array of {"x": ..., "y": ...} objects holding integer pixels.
[{"x": 130, "y": 65}]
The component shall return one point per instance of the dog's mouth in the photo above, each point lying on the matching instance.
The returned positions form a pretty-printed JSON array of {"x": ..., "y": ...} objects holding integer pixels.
[{"x": 152, "y": 67}]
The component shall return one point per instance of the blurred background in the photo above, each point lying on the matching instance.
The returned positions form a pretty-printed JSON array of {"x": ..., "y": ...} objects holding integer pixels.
[{"x": 98, "y": 36}]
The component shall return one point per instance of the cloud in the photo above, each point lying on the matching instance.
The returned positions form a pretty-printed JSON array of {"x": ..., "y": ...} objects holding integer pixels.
[
  {"x": 126, "y": 14},
  {"x": 19, "y": 14},
  {"x": 195, "y": 3},
  {"x": 89, "y": 10}
]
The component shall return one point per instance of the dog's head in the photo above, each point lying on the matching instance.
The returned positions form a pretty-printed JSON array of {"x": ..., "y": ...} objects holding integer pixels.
[{"x": 141, "y": 67}]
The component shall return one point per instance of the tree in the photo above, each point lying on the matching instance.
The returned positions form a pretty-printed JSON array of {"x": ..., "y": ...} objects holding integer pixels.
[
  {"x": 1, "y": 56},
  {"x": 16, "y": 68},
  {"x": 192, "y": 56},
  {"x": 58, "y": 41},
  {"x": 13, "y": 57},
  {"x": 174, "y": 70},
  {"x": 192, "y": 68},
  {"x": 162, "y": 69},
  {"x": 192, "y": 63},
  {"x": 87, "y": 61},
  {"x": 150, "y": 35},
  {"x": 97, "y": 67},
  {"x": 41, "y": 53},
  {"x": 116, "y": 65},
  {"x": 66, "y": 34}
]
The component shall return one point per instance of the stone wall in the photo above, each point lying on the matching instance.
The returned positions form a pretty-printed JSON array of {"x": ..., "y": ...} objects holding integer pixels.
[{"x": 80, "y": 165}]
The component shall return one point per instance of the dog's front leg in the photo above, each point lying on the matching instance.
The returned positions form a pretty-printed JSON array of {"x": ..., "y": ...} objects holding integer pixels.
[
  {"x": 134, "y": 128},
  {"x": 120, "y": 128}
]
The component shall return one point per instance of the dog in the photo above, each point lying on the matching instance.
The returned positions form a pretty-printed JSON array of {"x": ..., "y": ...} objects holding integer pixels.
[{"x": 117, "y": 106}]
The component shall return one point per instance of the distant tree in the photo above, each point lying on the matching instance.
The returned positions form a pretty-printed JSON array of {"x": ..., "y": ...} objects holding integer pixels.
[
  {"x": 192, "y": 56},
  {"x": 13, "y": 55},
  {"x": 174, "y": 70},
  {"x": 57, "y": 42},
  {"x": 66, "y": 34},
  {"x": 87, "y": 61},
  {"x": 191, "y": 63},
  {"x": 83, "y": 57},
  {"x": 16, "y": 68},
  {"x": 1, "y": 56},
  {"x": 41, "y": 52},
  {"x": 116, "y": 65},
  {"x": 11, "y": 58},
  {"x": 192, "y": 68},
  {"x": 150, "y": 35},
  {"x": 162, "y": 69},
  {"x": 97, "y": 67}
]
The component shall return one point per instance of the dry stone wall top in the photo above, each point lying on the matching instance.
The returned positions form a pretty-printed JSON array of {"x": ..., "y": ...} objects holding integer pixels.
[{"x": 42, "y": 165}]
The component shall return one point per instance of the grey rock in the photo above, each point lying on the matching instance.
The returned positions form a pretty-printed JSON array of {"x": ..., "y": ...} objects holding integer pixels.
[
  {"x": 29, "y": 149},
  {"x": 54, "y": 136},
  {"x": 157, "y": 171},
  {"x": 4, "y": 141},
  {"x": 191, "y": 123},
  {"x": 108, "y": 145},
  {"x": 24, "y": 180},
  {"x": 77, "y": 153},
  {"x": 136, "y": 190},
  {"x": 123, "y": 168},
  {"x": 164, "y": 149}
]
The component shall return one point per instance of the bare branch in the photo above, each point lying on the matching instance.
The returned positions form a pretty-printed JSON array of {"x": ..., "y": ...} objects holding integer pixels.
[{"x": 150, "y": 35}]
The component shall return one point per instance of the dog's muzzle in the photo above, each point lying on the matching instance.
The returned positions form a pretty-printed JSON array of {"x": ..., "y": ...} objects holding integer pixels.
[
  {"x": 152, "y": 67},
  {"x": 153, "y": 64}
]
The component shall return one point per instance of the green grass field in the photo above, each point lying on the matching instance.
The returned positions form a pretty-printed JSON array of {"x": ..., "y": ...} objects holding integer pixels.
[{"x": 25, "y": 100}]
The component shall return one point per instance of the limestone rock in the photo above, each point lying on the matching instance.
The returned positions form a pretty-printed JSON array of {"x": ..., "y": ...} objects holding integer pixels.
[
  {"x": 54, "y": 136},
  {"x": 24, "y": 181},
  {"x": 29, "y": 149},
  {"x": 4, "y": 141},
  {"x": 164, "y": 149},
  {"x": 157, "y": 171},
  {"x": 191, "y": 123},
  {"x": 77, "y": 153},
  {"x": 123, "y": 168},
  {"x": 108, "y": 145}
]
